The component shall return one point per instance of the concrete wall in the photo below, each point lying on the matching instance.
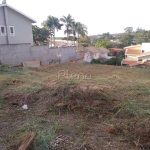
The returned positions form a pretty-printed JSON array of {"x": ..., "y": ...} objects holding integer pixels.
[
  {"x": 18, "y": 53},
  {"x": 15, "y": 54}
]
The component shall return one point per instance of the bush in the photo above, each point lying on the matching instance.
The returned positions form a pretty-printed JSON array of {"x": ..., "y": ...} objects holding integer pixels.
[
  {"x": 111, "y": 61},
  {"x": 118, "y": 61},
  {"x": 95, "y": 61},
  {"x": 85, "y": 44}
]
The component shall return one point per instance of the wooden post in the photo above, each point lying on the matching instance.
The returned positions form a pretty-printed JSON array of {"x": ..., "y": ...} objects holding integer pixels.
[{"x": 27, "y": 141}]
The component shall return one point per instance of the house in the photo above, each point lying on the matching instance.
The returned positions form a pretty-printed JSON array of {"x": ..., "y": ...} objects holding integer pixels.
[
  {"x": 95, "y": 53},
  {"x": 15, "y": 27},
  {"x": 137, "y": 54},
  {"x": 115, "y": 51},
  {"x": 63, "y": 43}
]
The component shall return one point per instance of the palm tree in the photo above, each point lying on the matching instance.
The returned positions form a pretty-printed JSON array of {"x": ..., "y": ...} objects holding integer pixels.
[
  {"x": 53, "y": 24},
  {"x": 68, "y": 24},
  {"x": 81, "y": 30},
  {"x": 74, "y": 31}
]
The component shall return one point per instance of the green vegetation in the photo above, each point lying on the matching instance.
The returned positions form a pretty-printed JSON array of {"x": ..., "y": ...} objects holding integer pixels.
[
  {"x": 104, "y": 43},
  {"x": 46, "y": 34},
  {"x": 95, "y": 61},
  {"x": 113, "y": 61},
  {"x": 52, "y": 24},
  {"x": 40, "y": 35}
]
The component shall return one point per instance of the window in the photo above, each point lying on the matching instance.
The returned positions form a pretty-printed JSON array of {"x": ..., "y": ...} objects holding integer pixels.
[
  {"x": 140, "y": 59},
  {"x": 3, "y": 30},
  {"x": 12, "y": 30}
]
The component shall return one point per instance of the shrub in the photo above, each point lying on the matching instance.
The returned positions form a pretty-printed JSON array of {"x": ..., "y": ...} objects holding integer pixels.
[
  {"x": 85, "y": 44},
  {"x": 95, "y": 61},
  {"x": 118, "y": 61},
  {"x": 111, "y": 61}
]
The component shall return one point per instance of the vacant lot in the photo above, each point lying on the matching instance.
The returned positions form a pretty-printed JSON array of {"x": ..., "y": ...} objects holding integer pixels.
[{"x": 101, "y": 107}]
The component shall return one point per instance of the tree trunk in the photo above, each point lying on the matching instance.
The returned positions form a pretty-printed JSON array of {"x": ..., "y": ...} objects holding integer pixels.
[
  {"x": 74, "y": 40},
  {"x": 78, "y": 41},
  {"x": 51, "y": 41},
  {"x": 67, "y": 38},
  {"x": 54, "y": 37}
]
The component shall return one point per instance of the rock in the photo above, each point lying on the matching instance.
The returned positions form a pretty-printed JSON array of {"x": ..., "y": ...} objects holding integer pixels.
[
  {"x": 25, "y": 107},
  {"x": 62, "y": 142}
]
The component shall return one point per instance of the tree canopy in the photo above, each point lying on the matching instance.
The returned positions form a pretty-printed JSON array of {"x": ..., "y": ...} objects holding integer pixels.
[
  {"x": 46, "y": 34},
  {"x": 40, "y": 35},
  {"x": 104, "y": 43}
]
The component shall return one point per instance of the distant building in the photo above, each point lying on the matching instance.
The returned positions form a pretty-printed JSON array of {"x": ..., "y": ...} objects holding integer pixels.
[
  {"x": 115, "y": 51},
  {"x": 136, "y": 54},
  {"x": 63, "y": 43},
  {"x": 95, "y": 53}
]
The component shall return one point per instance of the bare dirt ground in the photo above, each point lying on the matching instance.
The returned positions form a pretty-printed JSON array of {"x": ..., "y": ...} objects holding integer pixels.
[{"x": 109, "y": 111}]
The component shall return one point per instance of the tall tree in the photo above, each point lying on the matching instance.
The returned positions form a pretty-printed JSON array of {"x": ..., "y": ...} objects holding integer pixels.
[
  {"x": 104, "y": 43},
  {"x": 40, "y": 35},
  {"x": 138, "y": 29},
  {"x": 128, "y": 29},
  {"x": 74, "y": 30},
  {"x": 141, "y": 36},
  {"x": 106, "y": 35},
  {"x": 52, "y": 23},
  {"x": 68, "y": 25},
  {"x": 127, "y": 38},
  {"x": 81, "y": 30}
]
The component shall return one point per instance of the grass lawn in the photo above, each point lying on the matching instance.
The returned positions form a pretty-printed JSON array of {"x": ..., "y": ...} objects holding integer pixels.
[{"x": 100, "y": 106}]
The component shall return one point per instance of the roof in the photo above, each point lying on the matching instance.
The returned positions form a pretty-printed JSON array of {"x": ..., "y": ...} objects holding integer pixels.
[
  {"x": 116, "y": 49},
  {"x": 134, "y": 47},
  {"x": 140, "y": 63},
  {"x": 96, "y": 50},
  {"x": 32, "y": 20},
  {"x": 143, "y": 54},
  {"x": 136, "y": 64},
  {"x": 132, "y": 51},
  {"x": 128, "y": 62}
]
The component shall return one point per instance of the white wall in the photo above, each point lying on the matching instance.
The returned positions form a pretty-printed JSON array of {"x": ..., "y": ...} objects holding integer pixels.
[
  {"x": 145, "y": 58},
  {"x": 87, "y": 57},
  {"x": 146, "y": 47}
]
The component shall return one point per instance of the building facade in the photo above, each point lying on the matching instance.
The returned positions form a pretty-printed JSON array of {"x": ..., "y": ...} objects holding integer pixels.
[{"x": 15, "y": 27}]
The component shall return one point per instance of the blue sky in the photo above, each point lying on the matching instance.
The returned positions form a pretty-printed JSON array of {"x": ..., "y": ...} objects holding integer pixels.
[{"x": 98, "y": 15}]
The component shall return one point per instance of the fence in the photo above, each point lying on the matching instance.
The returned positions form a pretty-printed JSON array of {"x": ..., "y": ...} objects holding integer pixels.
[{"x": 18, "y": 53}]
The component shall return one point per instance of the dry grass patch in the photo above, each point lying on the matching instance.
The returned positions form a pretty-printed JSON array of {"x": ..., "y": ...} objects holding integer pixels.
[{"x": 110, "y": 111}]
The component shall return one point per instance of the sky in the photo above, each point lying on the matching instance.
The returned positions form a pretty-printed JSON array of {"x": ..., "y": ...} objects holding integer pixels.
[{"x": 100, "y": 16}]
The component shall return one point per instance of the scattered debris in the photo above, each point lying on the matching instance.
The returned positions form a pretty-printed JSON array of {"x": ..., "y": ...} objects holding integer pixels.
[
  {"x": 28, "y": 141},
  {"x": 111, "y": 129},
  {"x": 32, "y": 64},
  {"x": 25, "y": 107},
  {"x": 62, "y": 142}
]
